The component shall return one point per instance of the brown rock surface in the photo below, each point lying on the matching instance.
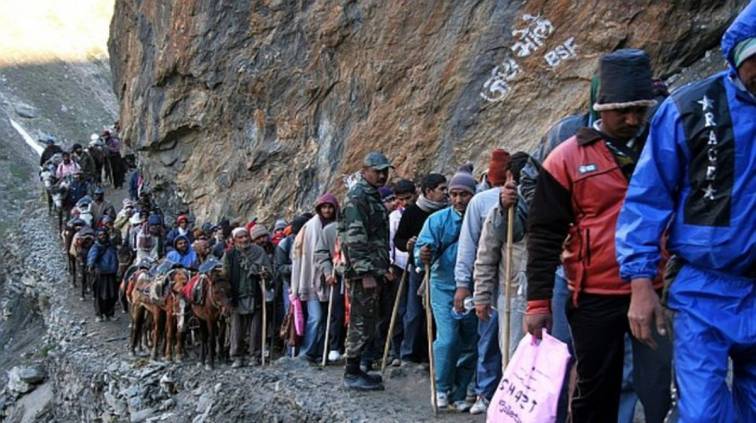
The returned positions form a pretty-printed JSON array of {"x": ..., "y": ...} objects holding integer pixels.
[{"x": 242, "y": 107}]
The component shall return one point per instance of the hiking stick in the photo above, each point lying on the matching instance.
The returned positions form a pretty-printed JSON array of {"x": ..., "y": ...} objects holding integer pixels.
[
  {"x": 328, "y": 325},
  {"x": 508, "y": 282},
  {"x": 264, "y": 321},
  {"x": 394, "y": 312},
  {"x": 429, "y": 327}
]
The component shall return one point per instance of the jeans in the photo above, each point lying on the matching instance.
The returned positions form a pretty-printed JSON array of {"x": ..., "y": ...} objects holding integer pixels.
[
  {"x": 560, "y": 330},
  {"x": 413, "y": 346},
  {"x": 312, "y": 345},
  {"x": 488, "y": 369},
  {"x": 628, "y": 398},
  {"x": 454, "y": 349}
]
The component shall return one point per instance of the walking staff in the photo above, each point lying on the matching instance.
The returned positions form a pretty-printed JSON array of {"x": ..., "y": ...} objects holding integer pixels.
[
  {"x": 429, "y": 327},
  {"x": 394, "y": 312}
]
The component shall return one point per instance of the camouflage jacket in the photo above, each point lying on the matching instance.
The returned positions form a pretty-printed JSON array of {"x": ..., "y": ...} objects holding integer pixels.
[{"x": 364, "y": 232}]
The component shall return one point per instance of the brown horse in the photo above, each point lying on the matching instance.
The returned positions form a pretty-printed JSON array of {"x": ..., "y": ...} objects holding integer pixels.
[
  {"x": 141, "y": 309},
  {"x": 214, "y": 305},
  {"x": 160, "y": 298}
]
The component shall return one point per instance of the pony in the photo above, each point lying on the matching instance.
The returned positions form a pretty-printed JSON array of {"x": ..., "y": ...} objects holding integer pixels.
[{"x": 208, "y": 293}]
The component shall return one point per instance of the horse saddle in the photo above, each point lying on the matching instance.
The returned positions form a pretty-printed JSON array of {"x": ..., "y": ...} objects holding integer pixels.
[{"x": 193, "y": 291}]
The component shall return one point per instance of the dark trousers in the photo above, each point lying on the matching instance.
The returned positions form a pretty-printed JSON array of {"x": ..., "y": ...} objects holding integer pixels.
[
  {"x": 413, "y": 346},
  {"x": 598, "y": 325},
  {"x": 337, "y": 330},
  {"x": 246, "y": 328},
  {"x": 105, "y": 294},
  {"x": 387, "y": 297}
]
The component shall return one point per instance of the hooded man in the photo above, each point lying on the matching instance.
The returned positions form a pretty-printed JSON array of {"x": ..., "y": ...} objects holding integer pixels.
[
  {"x": 67, "y": 167},
  {"x": 502, "y": 191},
  {"x": 577, "y": 198},
  {"x": 696, "y": 179},
  {"x": 183, "y": 253},
  {"x": 100, "y": 207},
  {"x": 433, "y": 197},
  {"x": 102, "y": 260},
  {"x": 363, "y": 231},
  {"x": 456, "y": 327},
  {"x": 278, "y": 231},
  {"x": 307, "y": 280},
  {"x": 244, "y": 266}
]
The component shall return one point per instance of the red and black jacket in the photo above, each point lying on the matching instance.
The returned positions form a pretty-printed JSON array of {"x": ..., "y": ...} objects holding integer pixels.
[{"x": 578, "y": 197}]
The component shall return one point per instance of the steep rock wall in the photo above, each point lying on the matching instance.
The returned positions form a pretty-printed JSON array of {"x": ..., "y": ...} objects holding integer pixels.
[{"x": 241, "y": 107}]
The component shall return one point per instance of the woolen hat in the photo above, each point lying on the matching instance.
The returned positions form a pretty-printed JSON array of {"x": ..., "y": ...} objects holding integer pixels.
[
  {"x": 258, "y": 231},
  {"x": 404, "y": 186},
  {"x": 744, "y": 50},
  {"x": 464, "y": 181},
  {"x": 280, "y": 225},
  {"x": 386, "y": 193},
  {"x": 498, "y": 166},
  {"x": 154, "y": 220},
  {"x": 626, "y": 81}
]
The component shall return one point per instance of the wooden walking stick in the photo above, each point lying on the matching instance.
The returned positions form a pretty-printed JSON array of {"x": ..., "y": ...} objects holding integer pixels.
[
  {"x": 264, "y": 320},
  {"x": 508, "y": 282},
  {"x": 394, "y": 312},
  {"x": 328, "y": 322},
  {"x": 429, "y": 327}
]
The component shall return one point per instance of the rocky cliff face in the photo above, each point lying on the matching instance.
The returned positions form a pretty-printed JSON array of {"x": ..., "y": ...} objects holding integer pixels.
[{"x": 241, "y": 107}]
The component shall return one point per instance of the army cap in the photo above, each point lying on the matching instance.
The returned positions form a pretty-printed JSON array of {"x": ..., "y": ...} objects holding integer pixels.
[{"x": 377, "y": 161}]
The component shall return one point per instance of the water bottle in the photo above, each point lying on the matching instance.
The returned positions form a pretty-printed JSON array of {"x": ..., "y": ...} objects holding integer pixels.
[{"x": 469, "y": 304}]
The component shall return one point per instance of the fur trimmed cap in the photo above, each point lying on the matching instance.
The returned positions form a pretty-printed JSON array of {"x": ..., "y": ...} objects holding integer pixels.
[{"x": 626, "y": 81}]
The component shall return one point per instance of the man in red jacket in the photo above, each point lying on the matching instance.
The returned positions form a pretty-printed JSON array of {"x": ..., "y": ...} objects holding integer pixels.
[{"x": 578, "y": 197}]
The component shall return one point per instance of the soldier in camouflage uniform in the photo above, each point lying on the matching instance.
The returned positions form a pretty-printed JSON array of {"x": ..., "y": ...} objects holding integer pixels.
[{"x": 364, "y": 233}]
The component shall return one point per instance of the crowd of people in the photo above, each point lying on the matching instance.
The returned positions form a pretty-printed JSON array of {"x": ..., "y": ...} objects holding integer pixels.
[{"x": 645, "y": 201}]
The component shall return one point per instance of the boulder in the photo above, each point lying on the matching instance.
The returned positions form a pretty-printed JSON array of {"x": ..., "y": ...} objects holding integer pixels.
[
  {"x": 25, "y": 111},
  {"x": 23, "y": 379},
  {"x": 257, "y": 107}
]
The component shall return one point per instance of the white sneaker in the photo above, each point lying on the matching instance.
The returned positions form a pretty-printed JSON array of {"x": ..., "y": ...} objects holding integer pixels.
[
  {"x": 462, "y": 406},
  {"x": 480, "y": 406},
  {"x": 334, "y": 355},
  {"x": 442, "y": 400}
]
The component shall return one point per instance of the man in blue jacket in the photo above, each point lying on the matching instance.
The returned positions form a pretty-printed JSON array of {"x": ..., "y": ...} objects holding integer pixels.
[
  {"x": 696, "y": 178},
  {"x": 102, "y": 260},
  {"x": 183, "y": 253},
  {"x": 455, "y": 346}
]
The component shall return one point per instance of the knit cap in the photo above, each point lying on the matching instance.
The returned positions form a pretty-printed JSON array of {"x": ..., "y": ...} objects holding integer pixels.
[
  {"x": 258, "y": 231},
  {"x": 497, "y": 167},
  {"x": 463, "y": 180}
]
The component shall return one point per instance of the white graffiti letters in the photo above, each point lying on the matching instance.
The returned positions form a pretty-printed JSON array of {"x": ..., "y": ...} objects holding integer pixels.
[
  {"x": 527, "y": 41},
  {"x": 562, "y": 52},
  {"x": 533, "y": 36},
  {"x": 497, "y": 87}
]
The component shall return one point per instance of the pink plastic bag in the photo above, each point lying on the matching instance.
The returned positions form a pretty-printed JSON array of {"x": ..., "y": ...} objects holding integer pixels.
[
  {"x": 298, "y": 315},
  {"x": 529, "y": 389}
]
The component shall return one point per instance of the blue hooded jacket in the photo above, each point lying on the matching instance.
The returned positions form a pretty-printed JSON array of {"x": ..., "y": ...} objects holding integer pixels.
[
  {"x": 188, "y": 259},
  {"x": 714, "y": 229}
]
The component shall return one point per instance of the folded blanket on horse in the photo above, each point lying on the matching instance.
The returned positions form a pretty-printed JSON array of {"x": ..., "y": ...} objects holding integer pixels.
[{"x": 193, "y": 291}]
